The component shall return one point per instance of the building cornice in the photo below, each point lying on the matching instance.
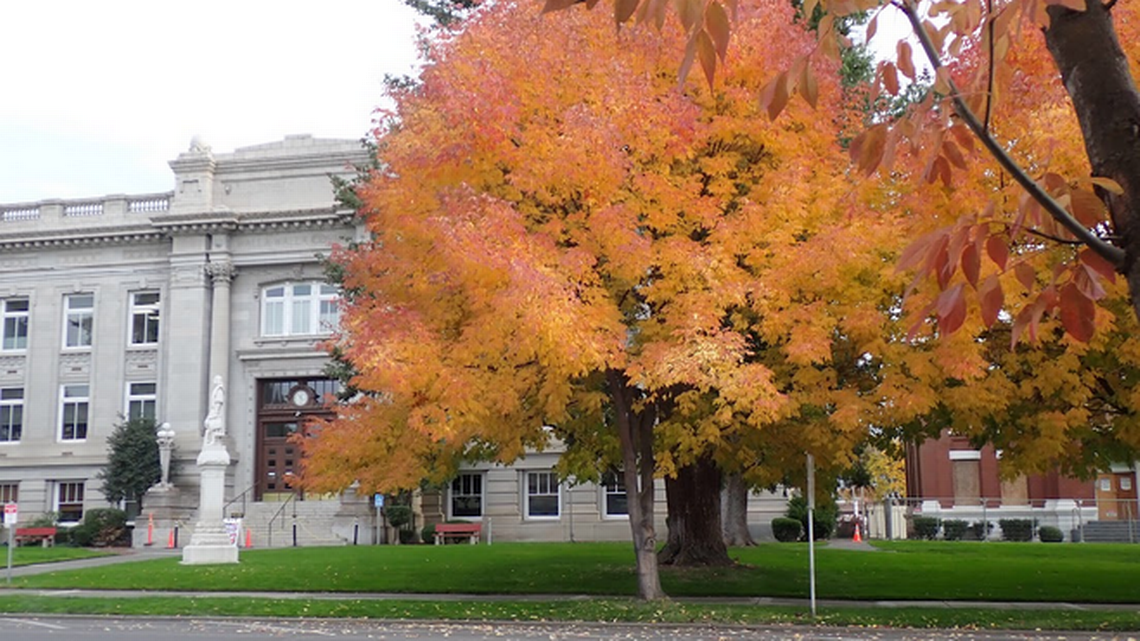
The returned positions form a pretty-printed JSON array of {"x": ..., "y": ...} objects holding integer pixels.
[{"x": 163, "y": 226}]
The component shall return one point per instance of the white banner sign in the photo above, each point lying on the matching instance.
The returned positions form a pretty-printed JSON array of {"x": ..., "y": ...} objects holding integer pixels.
[{"x": 10, "y": 514}]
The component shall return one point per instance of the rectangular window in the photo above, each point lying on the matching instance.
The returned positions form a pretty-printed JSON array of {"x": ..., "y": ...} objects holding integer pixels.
[
  {"x": 614, "y": 495},
  {"x": 11, "y": 414},
  {"x": 144, "y": 318},
  {"x": 15, "y": 324},
  {"x": 142, "y": 400},
  {"x": 69, "y": 501},
  {"x": 79, "y": 320},
  {"x": 74, "y": 401},
  {"x": 542, "y": 495},
  {"x": 467, "y": 496},
  {"x": 299, "y": 309},
  {"x": 273, "y": 314},
  {"x": 9, "y": 492}
]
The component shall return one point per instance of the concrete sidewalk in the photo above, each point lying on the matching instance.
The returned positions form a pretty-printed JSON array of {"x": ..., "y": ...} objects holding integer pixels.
[{"x": 145, "y": 554}]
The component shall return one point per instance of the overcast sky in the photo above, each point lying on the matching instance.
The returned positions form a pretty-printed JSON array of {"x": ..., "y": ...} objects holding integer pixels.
[{"x": 96, "y": 97}]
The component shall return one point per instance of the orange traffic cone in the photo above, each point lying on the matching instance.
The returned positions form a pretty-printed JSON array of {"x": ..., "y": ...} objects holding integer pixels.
[
  {"x": 150, "y": 529},
  {"x": 858, "y": 538},
  {"x": 248, "y": 538},
  {"x": 170, "y": 540}
]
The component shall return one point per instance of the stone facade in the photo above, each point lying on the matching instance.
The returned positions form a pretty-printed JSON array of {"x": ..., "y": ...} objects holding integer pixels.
[{"x": 131, "y": 303}]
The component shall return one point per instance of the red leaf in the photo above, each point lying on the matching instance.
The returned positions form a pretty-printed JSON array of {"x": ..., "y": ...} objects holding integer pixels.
[
  {"x": 868, "y": 147},
  {"x": 992, "y": 299},
  {"x": 717, "y": 26},
  {"x": 971, "y": 264},
  {"x": 1026, "y": 275},
  {"x": 623, "y": 9},
  {"x": 919, "y": 250},
  {"x": 1099, "y": 264},
  {"x": 942, "y": 268},
  {"x": 998, "y": 251},
  {"x": 707, "y": 54},
  {"x": 774, "y": 95},
  {"x": 890, "y": 78},
  {"x": 951, "y": 309},
  {"x": 953, "y": 154},
  {"x": 809, "y": 86},
  {"x": 1088, "y": 208},
  {"x": 1078, "y": 313},
  {"x": 905, "y": 61},
  {"x": 558, "y": 5}
]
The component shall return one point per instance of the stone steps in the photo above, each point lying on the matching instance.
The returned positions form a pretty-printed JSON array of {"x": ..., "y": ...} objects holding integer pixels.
[
  {"x": 313, "y": 521},
  {"x": 1111, "y": 532}
]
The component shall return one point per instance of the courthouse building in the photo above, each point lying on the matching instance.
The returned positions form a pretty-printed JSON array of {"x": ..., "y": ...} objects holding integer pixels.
[{"x": 129, "y": 305}]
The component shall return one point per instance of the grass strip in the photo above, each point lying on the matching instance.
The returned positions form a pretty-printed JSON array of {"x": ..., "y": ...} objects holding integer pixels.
[
  {"x": 900, "y": 571},
  {"x": 602, "y": 610},
  {"x": 29, "y": 555}
]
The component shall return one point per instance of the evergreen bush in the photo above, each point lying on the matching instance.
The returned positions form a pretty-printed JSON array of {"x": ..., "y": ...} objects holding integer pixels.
[
  {"x": 1050, "y": 534},
  {"x": 1016, "y": 529},
  {"x": 925, "y": 527},
  {"x": 824, "y": 519},
  {"x": 787, "y": 530},
  {"x": 954, "y": 530}
]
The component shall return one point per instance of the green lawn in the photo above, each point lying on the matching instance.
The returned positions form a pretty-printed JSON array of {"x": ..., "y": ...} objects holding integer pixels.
[
  {"x": 29, "y": 555},
  {"x": 899, "y": 571}
]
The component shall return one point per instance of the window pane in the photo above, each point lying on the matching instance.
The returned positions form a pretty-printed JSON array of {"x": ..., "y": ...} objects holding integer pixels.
[
  {"x": 16, "y": 332},
  {"x": 302, "y": 311},
  {"x": 85, "y": 301},
  {"x": 143, "y": 388},
  {"x": 17, "y": 305},
  {"x": 146, "y": 298},
  {"x": 543, "y": 506},
  {"x": 274, "y": 318}
]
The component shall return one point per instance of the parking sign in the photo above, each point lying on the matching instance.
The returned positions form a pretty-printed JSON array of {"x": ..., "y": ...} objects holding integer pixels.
[{"x": 10, "y": 514}]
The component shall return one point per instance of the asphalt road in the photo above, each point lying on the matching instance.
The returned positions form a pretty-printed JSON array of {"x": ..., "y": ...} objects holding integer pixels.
[{"x": 105, "y": 629}]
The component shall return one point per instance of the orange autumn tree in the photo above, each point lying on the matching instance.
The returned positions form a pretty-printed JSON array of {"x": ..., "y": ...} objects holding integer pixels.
[
  {"x": 1084, "y": 41},
  {"x": 564, "y": 237},
  {"x": 1059, "y": 401}
]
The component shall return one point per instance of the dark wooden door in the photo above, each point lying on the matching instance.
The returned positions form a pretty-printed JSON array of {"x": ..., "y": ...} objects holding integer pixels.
[{"x": 279, "y": 459}]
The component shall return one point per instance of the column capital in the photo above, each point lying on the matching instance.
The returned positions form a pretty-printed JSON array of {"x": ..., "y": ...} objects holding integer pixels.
[{"x": 221, "y": 271}]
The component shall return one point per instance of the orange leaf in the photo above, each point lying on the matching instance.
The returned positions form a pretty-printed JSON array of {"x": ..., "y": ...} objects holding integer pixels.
[
  {"x": 953, "y": 154},
  {"x": 1025, "y": 275},
  {"x": 1088, "y": 281},
  {"x": 992, "y": 299},
  {"x": 809, "y": 86},
  {"x": 558, "y": 5},
  {"x": 1099, "y": 264},
  {"x": 890, "y": 78},
  {"x": 1088, "y": 208},
  {"x": 919, "y": 250},
  {"x": 1107, "y": 184},
  {"x": 867, "y": 148},
  {"x": 1078, "y": 313},
  {"x": 998, "y": 251},
  {"x": 872, "y": 27}
]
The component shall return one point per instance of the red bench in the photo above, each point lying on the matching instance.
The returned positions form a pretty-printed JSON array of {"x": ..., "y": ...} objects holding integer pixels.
[
  {"x": 43, "y": 535},
  {"x": 468, "y": 531}
]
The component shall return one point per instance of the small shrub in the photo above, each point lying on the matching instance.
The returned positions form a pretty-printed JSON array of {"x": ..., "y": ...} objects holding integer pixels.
[
  {"x": 925, "y": 527},
  {"x": 954, "y": 529},
  {"x": 398, "y": 515},
  {"x": 1050, "y": 534},
  {"x": 1016, "y": 529},
  {"x": 427, "y": 535},
  {"x": 787, "y": 530},
  {"x": 102, "y": 528},
  {"x": 825, "y": 516}
]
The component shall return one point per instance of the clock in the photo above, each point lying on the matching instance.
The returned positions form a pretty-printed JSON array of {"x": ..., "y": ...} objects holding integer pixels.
[{"x": 300, "y": 396}]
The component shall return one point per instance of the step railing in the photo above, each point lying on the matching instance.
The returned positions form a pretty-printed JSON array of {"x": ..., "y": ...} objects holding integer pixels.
[{"x": 291, "y": 500}]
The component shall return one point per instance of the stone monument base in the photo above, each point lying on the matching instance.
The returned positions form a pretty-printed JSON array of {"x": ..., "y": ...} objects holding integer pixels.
[{"x": 209, "y": 545}]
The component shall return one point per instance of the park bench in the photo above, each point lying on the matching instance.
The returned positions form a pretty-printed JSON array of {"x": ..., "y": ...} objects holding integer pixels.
[
  {"x": 468, "y": 531},
  {"x": 43, "y": 535}
]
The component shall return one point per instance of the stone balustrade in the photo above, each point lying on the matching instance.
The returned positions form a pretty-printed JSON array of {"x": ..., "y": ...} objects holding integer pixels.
[{"x": 86, "y": 208}]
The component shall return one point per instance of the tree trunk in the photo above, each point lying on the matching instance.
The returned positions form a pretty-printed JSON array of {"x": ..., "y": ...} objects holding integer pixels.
[
  {"x": 695, "y": 537},
  {"x": 734, "y": 512},
  {"x": 635, "y": 431},
  {"x": 1097, "y": 76}
]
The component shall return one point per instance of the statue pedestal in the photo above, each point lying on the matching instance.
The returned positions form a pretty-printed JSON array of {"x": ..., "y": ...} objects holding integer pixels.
[{"x": 210, "y": 544}]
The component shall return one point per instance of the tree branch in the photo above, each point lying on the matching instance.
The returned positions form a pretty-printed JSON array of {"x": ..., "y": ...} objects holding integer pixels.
[{"x": 1111, "y": 253}]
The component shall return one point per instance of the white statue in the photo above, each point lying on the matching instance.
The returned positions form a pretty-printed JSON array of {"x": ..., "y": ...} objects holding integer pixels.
[{"x": 214, "y": 427}]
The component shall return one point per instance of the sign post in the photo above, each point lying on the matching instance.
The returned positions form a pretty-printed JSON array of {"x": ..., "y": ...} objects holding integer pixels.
[
  {"x": 378, "y": 502},
  {"x": 11, "y": 515}
]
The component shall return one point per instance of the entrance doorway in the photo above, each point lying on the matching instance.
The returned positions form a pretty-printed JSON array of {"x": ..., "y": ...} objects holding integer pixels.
[{"x": 283, "y": 407}]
